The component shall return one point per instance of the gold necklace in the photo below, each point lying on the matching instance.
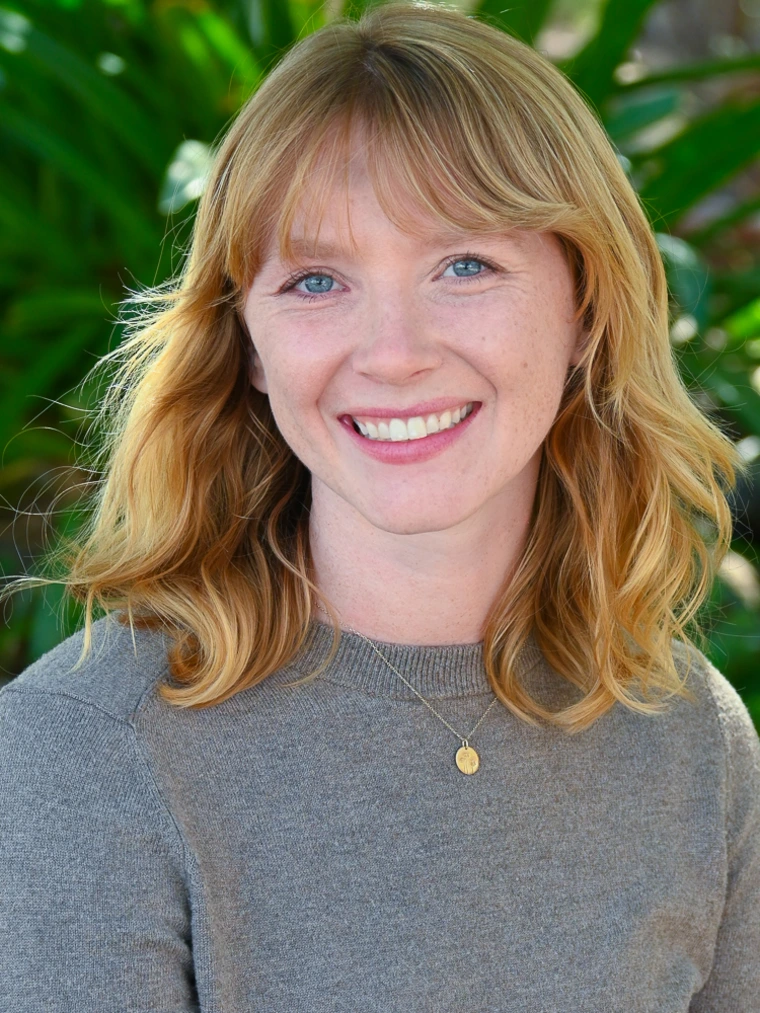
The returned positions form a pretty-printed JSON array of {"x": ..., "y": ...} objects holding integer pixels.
[{"x": 466, "y": 758}]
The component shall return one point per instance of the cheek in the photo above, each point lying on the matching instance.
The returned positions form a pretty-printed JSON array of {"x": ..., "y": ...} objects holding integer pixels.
[
  {"x": 529, "y": 401},
  {"x": 296, "y": 380},
  {"x": 523, "y": 347},
  {"x": 526, "y": 364}
]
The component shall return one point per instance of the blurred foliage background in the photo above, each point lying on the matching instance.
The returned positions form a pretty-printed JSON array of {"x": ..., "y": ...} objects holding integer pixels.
[{"x": 108, "y": 109}]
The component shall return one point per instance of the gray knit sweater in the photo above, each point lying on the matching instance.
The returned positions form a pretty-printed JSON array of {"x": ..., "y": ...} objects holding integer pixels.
[{"x": 315, "y": 849}]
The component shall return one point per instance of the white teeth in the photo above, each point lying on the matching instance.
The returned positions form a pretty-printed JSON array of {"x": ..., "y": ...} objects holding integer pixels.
[
  {"x": 415, "y": 428},
  {"x": 398, "y": 430}
]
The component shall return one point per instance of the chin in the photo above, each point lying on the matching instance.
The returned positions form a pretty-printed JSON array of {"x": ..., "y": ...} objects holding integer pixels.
[{"x": 398, "y": 522}]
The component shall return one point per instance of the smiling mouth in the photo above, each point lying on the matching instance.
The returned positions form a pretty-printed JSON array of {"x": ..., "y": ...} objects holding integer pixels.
[{"x": 398, "y": 430}]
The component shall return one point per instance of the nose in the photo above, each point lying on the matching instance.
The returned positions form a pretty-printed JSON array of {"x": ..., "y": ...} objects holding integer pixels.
[{"x": 396, "y": 343}]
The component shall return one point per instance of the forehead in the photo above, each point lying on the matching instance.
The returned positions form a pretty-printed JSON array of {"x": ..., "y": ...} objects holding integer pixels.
[
  {"x": 427, "y": 240},
  {"x": 334, "y": 237},
  {"x": 315, "y": 217}
]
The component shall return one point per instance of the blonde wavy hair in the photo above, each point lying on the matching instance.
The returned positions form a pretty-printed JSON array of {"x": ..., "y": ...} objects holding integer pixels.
[{"x": 198, "y": 522}]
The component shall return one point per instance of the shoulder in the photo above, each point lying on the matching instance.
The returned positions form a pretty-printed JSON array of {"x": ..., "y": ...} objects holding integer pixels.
[
  {"x": 718, "y": 701},
  {"x": 68, "y": 741},
  {"x": 122, "y": 666},
  {"x": 86, "y": 837},
  {"x": 722, "y": 716}
]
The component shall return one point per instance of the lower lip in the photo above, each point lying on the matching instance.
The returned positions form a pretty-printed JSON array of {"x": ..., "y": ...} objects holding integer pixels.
[{"x": 408, "y": 451}]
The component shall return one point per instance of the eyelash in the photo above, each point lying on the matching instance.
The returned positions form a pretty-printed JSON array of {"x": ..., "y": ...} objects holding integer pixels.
[{"x": 291, "y": 283}]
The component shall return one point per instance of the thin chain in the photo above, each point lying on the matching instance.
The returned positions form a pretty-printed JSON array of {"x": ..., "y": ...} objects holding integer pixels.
[{"x": 464, "y": 741}]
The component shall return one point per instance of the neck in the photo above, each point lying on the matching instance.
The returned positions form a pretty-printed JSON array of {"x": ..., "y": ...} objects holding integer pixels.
[{"x": 428, "y": 588}]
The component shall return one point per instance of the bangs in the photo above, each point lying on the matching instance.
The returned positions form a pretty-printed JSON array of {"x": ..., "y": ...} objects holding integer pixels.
[
  {"x": 424, "y": 179},
  {"x": 445, "y": 151}
]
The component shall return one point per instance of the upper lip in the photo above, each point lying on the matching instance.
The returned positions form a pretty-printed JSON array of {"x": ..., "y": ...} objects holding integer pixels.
[{"x": 434, "y": 407}]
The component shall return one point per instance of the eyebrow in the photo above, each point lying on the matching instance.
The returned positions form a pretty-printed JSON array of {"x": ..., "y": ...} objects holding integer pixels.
[{"x": 305, "y": 247}]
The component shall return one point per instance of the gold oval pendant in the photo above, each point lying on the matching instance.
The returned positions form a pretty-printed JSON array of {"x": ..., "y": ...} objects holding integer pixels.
[{"x": 467, "y": 759}]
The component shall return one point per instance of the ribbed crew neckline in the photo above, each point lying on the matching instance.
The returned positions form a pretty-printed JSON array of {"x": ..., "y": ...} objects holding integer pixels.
[{"x": 446, "y": 670}]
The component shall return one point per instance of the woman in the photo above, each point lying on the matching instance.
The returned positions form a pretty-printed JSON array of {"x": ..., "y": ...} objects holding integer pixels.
[{"x": 404, "y": 513}]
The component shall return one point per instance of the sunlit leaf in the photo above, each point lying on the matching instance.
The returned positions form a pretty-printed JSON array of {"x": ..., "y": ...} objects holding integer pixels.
[
  {"x": 636, "y": 112},
  {"x": 15, "y": 30},
  {"x": 185, "y": 176},
  {"x": 229, "y": 46},
  {"x": 593, "y": 68},
  {"x": 745, "y": 323},
  {"x": 691, "y": 72}
]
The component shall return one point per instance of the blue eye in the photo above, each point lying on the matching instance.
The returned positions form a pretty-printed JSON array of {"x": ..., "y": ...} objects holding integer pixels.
[
  {"x": 470, "y": 263},
  {"x": 320, "y": 283}
]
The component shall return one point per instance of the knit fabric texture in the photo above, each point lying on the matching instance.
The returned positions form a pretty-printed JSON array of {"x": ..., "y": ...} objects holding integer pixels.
[{"x": 314, "y": 848}]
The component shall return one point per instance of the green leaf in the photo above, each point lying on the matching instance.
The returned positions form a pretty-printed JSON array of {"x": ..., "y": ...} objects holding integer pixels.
[
  {"x": 745, "y": 323},
  {"x": 38, "y": 378},
  {"x": 55, "y": 309},
  {"x": 185, "y": 177},
  {"x": 14, "y": 31},
  {"x": 55, "y": 616},
  {"x": 271, "y": 29},
  {"x": 688, "y": 277},
  {"x": 692, "y": 72},
  {"x": 98, "y": 95},
  {"x": 733, "y": 217},
  {"x": 698, "y": 160},
  {"x": 593, "y": 68},
  {"x": 736, "y": 288},
  {"x": 309, "y": 16},
  {"x": 47, "y": 145},
  {"x": 706, "y": 372},
  {"x": 21, "y": 223},
  {"x": 229, "y": 47},
  {"x": 635, "y": 113},
  {"x": 355, "y": 8},
  {"x": 523, "y": 18},
  {"x": 741, "y": 398}
]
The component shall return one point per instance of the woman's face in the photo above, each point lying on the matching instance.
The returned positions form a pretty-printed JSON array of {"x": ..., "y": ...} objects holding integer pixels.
[{"x": 411, "y": 326}]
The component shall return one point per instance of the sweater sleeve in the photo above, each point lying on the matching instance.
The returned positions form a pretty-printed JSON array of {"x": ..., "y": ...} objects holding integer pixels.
[
  {"x": 733, "y": 985},
  {"x": 94, "y": 912}
]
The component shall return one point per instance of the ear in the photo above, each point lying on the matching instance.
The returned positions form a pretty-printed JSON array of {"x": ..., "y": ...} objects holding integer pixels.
[
  {"x": 256, "y": 371},
  {"x": 580, "y": 346}
]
